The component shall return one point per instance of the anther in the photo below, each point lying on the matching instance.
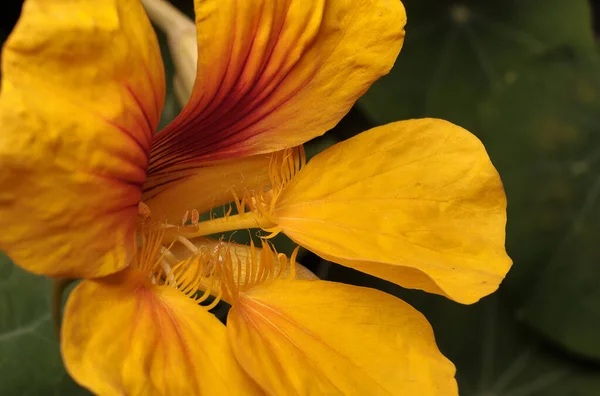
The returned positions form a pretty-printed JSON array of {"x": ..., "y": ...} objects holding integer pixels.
[
  {"x": 185, "y": 217},
  {"x": 195, "y": 217}
]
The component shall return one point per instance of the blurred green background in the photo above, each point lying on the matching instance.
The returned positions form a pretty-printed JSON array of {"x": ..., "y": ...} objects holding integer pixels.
[{"x": 524, "y": 76}]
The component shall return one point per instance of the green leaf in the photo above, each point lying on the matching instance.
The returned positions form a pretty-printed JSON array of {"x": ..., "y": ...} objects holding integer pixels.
[
  {"x": 495, "y": 355},
  {"x": 456, "y": 52},
  {"x": 29, "y": 350},
  {"x": 544, "y": 132}
]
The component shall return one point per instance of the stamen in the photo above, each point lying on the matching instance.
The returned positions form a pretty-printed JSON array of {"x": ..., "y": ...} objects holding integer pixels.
[
  {"x": 293, "y": 263},
  {"x": 161, "y": 268},
  {"x": 185, "y": 242},
  {"x": 150, "y": 244},
  {"x": 168, "y": 275},
  {"x": 221, "y": 269},
  {"x": 255, "y": 208},
  {"x": 283, "y": 167},
  {"x": 240, "y": 205},
  {"x": 195, "y": 217},
  {"x": 207, "y": 292},
  {"x": 256, "y": 270},
  {"x": 185, "y": 217},
  {"x": 215, "y": 301}
]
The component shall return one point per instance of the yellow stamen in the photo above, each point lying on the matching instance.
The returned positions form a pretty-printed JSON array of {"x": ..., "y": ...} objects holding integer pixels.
[
  {"x": 221, "y": 270},
  {"x": 239, "y": 276},
  {"x": 283, "y": 167},
  {"x": 159, "y": 267}
]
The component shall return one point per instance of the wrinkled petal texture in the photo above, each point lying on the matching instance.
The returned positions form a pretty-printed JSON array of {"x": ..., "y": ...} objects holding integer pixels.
[
  {"x": 323, "y": 338},
  {"x": 273, "y": 74},
  {"x": 203, "y": 187},
  {"x": 82, "y": 92},
  {"x": 416, "y": 202},
  {"x": 123, "y": 336}
]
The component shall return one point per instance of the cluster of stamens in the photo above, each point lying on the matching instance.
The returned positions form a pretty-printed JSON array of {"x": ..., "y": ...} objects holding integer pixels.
[
  {"x": 214, "y": 267},
  {"x": 283, "y": 166},
  {"x": 210, "y": 268}
]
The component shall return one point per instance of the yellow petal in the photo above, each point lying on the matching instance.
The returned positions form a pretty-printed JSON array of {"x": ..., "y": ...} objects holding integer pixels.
[
  {"x": 82, "y": 93},
  {"x": 203, "y": 187},
  {"x": 273, "y": 74},
  {"x": 323, "y": 338},
  {"x": 124, "y": 336},
  {"x": 417, "y": 203}
]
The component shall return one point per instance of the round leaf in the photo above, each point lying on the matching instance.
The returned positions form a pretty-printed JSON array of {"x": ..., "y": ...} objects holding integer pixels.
[
  {"x": 458, "y": 51},
  {"x": 29, "y": 350}
]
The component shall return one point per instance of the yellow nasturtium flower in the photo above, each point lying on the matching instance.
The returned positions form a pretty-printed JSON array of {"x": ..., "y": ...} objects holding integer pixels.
[{"x": 89, "y": 190}]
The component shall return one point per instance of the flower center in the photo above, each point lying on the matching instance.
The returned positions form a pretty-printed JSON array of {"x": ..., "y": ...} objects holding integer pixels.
[{"x": 166, "y": 257}]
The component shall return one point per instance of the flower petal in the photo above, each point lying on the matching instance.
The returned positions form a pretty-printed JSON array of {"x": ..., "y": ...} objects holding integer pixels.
[
  {"x": 323, "y": 338},
  {"x": 203, "y": 187},
  {"x": 417, "y": 203},
  {"x": 273, "y": 74},
  {"x": 82, "y": 93},
  {"x": 122, "y": 335}
]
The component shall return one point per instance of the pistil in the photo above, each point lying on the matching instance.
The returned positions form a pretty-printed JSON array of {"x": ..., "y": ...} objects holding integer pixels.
[{"x": 241, "y": 221}]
